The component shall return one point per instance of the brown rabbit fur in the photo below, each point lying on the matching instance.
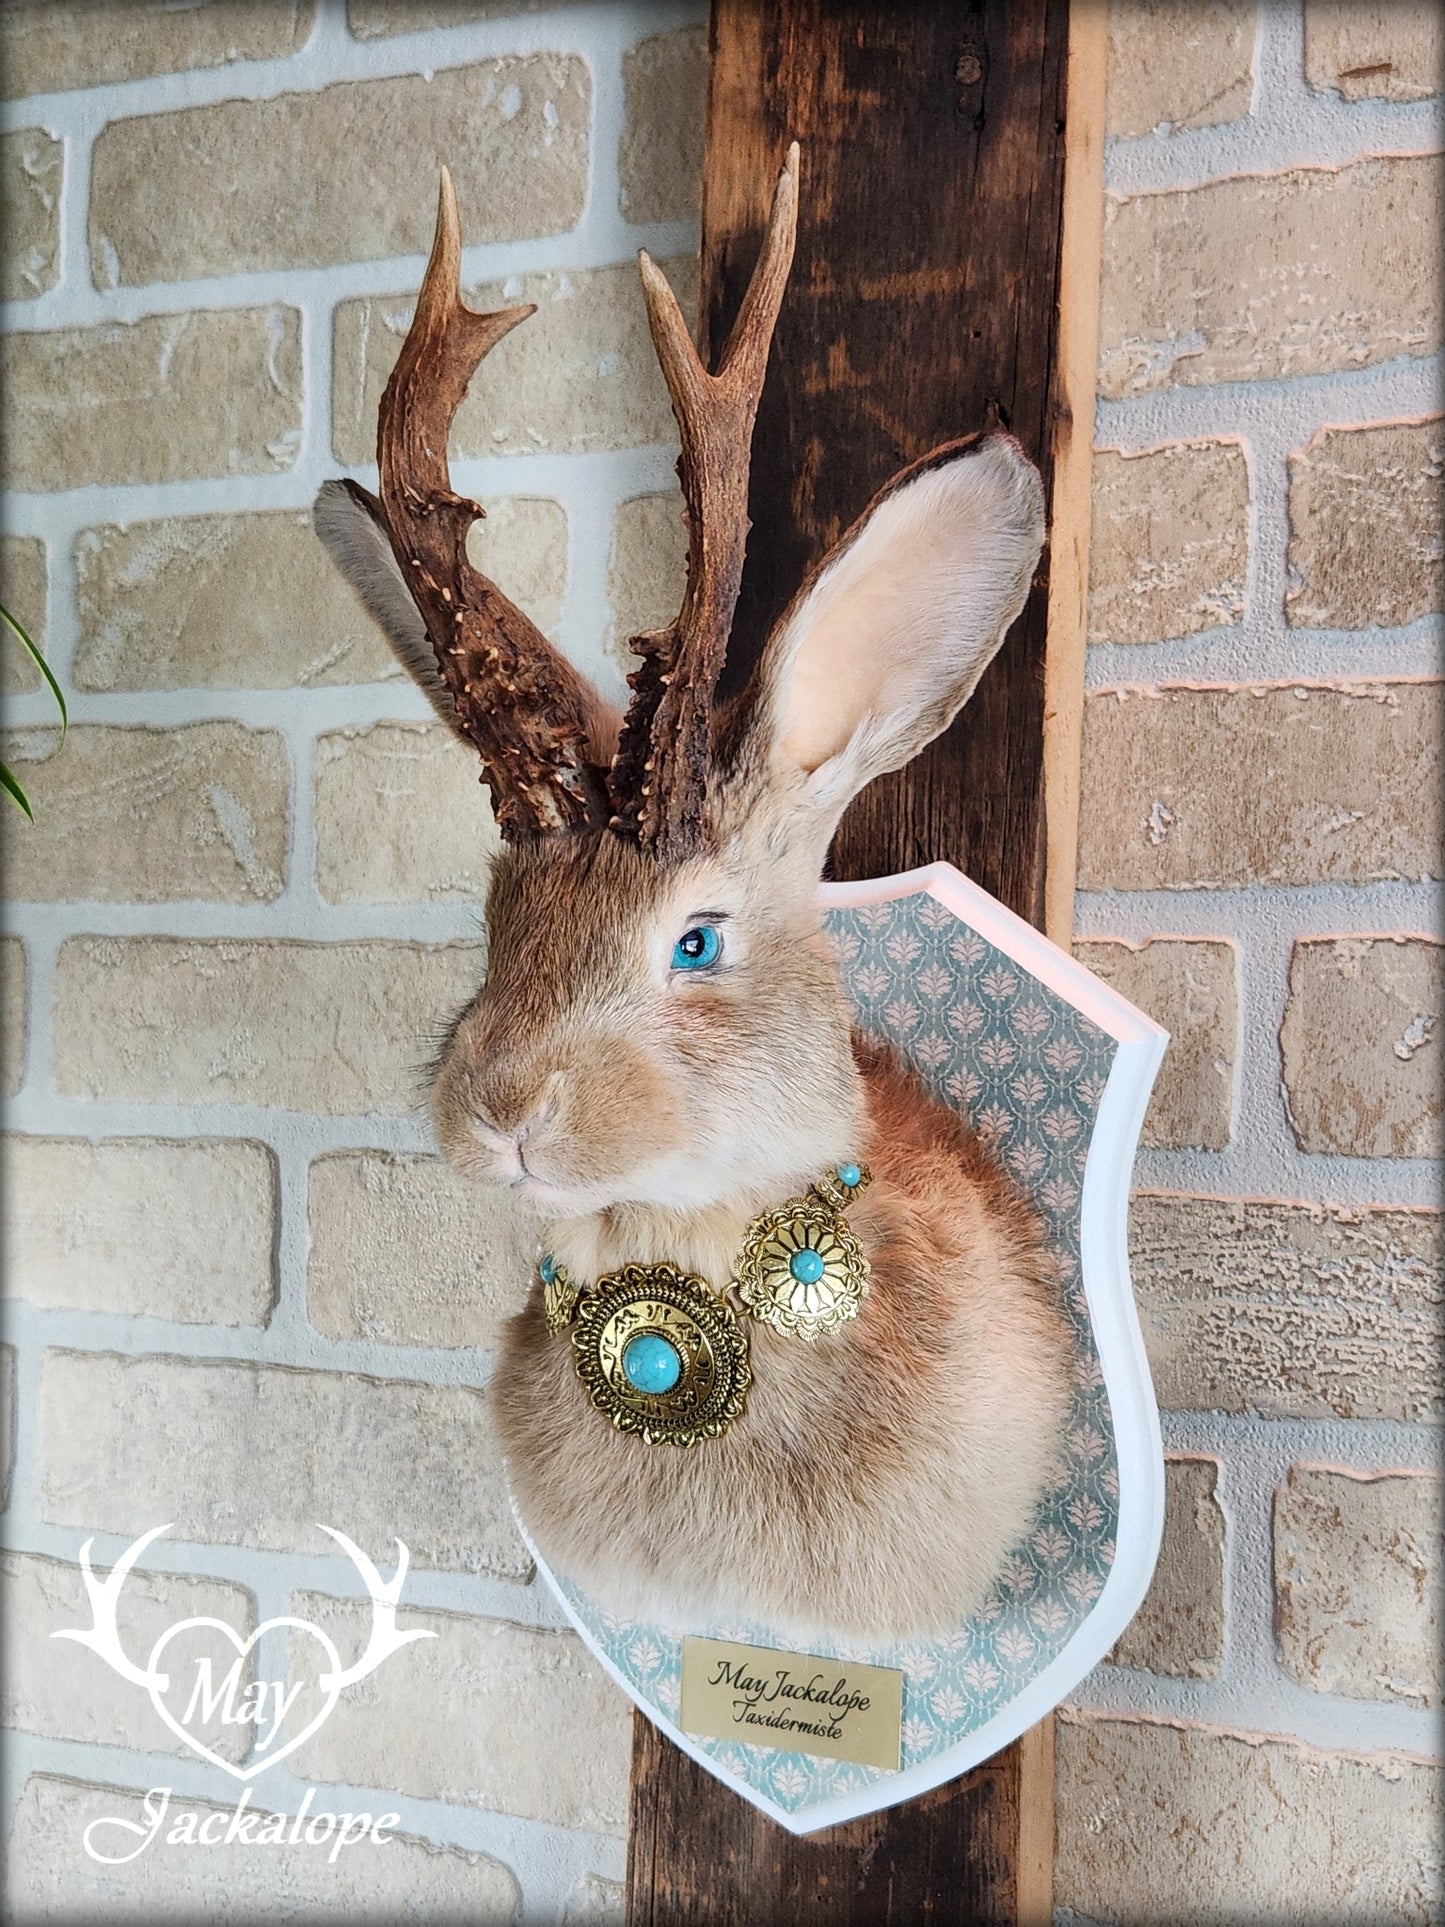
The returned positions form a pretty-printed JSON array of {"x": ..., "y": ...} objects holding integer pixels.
[{"x": 879, "y": 1474}]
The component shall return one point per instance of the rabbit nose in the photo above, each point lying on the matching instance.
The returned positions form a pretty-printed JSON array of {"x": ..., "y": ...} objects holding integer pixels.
[
  {"x": 542, "y": 1116},
  {"x": 502, "y": 1121}
]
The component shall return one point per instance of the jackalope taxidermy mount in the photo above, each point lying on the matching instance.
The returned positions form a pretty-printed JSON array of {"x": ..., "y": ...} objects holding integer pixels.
[{"x": 795, "y": 1350}]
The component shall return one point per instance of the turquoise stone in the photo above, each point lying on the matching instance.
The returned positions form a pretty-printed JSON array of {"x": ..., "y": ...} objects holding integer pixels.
[
  {"x": 849, "y": 1176},
  {"x": 651, "y": 1364},
  {"x": 548, "y": 1269},
  {"x": 806, "y": 1266}
]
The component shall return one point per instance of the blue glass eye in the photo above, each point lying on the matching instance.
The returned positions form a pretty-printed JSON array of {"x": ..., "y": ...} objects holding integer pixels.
[{"x": 695, "y": 949}]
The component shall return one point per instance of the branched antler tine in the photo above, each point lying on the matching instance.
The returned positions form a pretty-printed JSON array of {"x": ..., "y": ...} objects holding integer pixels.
[
  {"x": 659, "y": 773},
  {"x": 752, "y": 334},
  {"x": 535, "y": 722},
  {"x": 684, "y": 374},
  {"x": 441, "y": 317}
]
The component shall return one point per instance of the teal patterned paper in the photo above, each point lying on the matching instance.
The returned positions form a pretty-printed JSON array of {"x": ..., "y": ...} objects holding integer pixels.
[{"x": 1028, "y": 1070}]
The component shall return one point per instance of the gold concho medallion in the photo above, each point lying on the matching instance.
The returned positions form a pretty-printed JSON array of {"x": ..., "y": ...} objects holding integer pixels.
[
  {"x": 661, "y": 1355},
  {"x": 801, "y": 1269},
  {"x": 842, "y": 1186},
  {"x": 559, "y": 1295}
]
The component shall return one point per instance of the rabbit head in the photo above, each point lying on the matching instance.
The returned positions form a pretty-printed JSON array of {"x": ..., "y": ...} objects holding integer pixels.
[{"x": 661, "y": 1023}]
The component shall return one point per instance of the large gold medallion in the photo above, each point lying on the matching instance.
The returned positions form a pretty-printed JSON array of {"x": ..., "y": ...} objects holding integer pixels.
[
  {"x": 801, "y": 1269},
  {"x": 661, "y": 1355}
]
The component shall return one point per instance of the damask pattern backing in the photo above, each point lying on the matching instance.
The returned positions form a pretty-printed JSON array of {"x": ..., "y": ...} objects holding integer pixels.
[{"x": 1028, "y": 1070}]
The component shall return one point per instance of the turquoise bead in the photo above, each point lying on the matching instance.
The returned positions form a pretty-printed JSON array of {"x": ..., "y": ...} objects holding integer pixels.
[
  {"x": 849, "y": 1176},
  {"x": 548, "y": 1269},
  {"x": 806, "y": 1266},
  {"x": 651, "y": 1364}
]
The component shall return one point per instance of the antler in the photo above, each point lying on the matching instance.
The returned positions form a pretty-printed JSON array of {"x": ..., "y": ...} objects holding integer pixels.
[
  {"x": 534, "y": 721},
  {"x": 660, "y": 770}
]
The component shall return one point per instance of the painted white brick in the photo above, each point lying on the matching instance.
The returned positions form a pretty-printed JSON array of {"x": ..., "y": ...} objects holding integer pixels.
[
  {"x": 1203, "y": 1828},
  {"x": 403, "y": 1251},
  {"x": 1357, "y": 1572},
  {"x": 141, "y": 1225},
  {"x": 401, "y": 816},
  {"x": 68, "y": 1692},
  {"x": 50, "y": 1878},
  {"x": 252, "y": 1455},
  {"x": 7, "y": 1409},
  {"x": 13, "y": 1026},
  {"x": 518, "y": 1719},
  {"x": 341, "y": 1027}
]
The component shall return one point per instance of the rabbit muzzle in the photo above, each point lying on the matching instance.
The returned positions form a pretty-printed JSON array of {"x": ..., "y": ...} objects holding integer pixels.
[
  {"x": 571, "y": 1126},
  {"x": 509, "y": 1128}
]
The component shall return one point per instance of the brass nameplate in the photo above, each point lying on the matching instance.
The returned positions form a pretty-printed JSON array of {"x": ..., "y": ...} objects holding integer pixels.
[{"x": 798, "y": 1702}]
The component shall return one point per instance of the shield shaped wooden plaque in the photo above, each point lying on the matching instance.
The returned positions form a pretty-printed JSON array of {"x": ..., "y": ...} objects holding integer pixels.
[{"x": 1054, "y": 1069}]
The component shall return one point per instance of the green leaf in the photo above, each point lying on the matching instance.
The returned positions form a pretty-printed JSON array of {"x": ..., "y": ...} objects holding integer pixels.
[
  {"x": 14, "y": 791},
  {"x": 44, "y": 668}
]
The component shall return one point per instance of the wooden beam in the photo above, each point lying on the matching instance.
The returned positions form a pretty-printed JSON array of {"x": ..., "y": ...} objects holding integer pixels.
[
  {"x": 1080, "y": 252},
  {"x": 924, "y": 302},
  {"x": 698, "y": 1856}
]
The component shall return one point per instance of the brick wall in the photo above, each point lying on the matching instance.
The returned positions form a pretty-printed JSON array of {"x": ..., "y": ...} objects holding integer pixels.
[
  {"x": 1260, "y": 821},
  {"x": 253, "y": 888}
]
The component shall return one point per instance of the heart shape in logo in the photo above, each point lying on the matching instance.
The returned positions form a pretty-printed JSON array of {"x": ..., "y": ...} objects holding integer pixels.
[{"x": 327, "y": 1683}]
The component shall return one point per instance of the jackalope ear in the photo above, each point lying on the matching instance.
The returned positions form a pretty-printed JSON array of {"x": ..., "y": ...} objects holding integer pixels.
[
  {"x": 346, "y": 517},
  {"x": 886, "y": 642}
]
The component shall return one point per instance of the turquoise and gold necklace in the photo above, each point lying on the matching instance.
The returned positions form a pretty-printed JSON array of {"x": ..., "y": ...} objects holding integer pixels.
[{"x": 667, "y": 1358}]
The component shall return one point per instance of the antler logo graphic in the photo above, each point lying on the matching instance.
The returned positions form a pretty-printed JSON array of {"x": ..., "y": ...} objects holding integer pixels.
[{"x": 264, "y": 1704}]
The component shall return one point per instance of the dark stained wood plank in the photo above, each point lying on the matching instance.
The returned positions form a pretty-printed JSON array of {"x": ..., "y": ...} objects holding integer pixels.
[
  {"x": 922, "y": 304},
  {"x": 700, "y": 1857}
]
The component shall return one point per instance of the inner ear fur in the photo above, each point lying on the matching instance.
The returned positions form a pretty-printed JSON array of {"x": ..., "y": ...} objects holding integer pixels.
[{"x": 888, "y": 639}]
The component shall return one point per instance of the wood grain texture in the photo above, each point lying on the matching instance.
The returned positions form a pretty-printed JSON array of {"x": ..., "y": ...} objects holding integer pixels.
[
  {"x": 700, "y": 1857},
  {"x": 1071, "y": 508},
  {"x": 923, "y": 304},
  {"x": 1034, "y": 1886}
]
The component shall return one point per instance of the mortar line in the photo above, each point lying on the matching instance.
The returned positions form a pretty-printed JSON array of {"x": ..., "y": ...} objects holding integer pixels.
[
  {"x": 282, "y": 1574},
  {"x": 62, "y": 514},
  {"x": 329, "y": 57},
  {"x": 516, "y": 1842},
  {"x": 1287, "y": 126},
  {"x": 293, "y": 1347}
]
